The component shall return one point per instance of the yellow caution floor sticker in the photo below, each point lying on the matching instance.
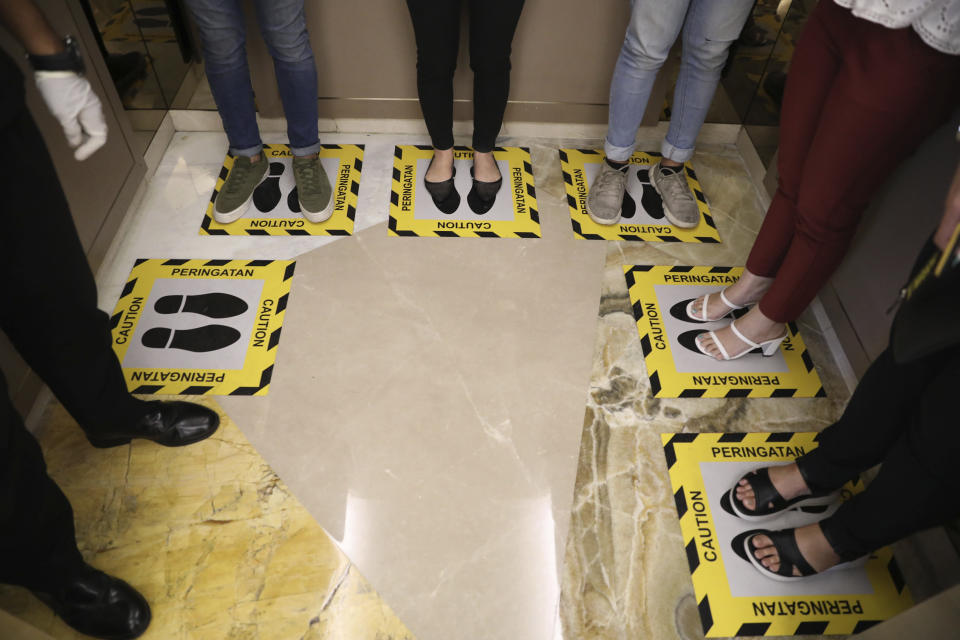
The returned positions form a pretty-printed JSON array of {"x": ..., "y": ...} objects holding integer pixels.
[
  {"x": 201, "y": 326},
  {"x": 642, "y": 217},
  {"x": 275, "y": 207},
  {"x": 677, "y": 369},
  {"x": 733, "y": 598},
  {"x": 413, "y": 212}
]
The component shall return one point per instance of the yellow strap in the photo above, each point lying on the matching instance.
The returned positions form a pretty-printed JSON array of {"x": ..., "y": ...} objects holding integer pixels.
[{"x": 948, "y": 251}]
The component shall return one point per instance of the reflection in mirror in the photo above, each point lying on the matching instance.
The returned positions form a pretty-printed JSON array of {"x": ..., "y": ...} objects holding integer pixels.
[
  {"x": 148, "y": 52},
  {"x": 759, "y": 65}
]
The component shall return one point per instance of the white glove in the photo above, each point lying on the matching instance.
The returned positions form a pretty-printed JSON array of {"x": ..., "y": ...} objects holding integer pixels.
[{"x": 72, "y": 101}]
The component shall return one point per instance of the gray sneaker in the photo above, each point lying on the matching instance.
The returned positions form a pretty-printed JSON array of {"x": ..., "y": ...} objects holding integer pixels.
[
  {"x": 313, "y": 189},
  {"x": 605, "y": 199},
  {"x": 237, "y": 190},
  {"x": 679, "y": 205}
]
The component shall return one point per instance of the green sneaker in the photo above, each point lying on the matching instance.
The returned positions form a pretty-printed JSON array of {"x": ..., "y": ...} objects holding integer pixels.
[
  {"x": 313, "y": 189},
  {"x": 237, "y": 190}
]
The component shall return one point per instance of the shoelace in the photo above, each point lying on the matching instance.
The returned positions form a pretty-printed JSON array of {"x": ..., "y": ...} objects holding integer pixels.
[
  {"x": 678, "y": 185},
  {"x": 606, "y": 178}
]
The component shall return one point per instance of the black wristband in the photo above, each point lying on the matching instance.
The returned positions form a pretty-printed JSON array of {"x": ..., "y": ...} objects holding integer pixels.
[{"x": 67, "y": 60}]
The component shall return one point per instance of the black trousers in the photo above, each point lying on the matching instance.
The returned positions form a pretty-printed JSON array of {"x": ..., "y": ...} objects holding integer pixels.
[
  {"x": 49, "y": 312},
  {"x": 436, "y": 25},
  {"x": 903, "y": 417}
]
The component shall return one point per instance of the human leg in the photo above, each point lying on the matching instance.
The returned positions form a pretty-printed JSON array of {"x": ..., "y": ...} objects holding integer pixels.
[
  {"x": 874, "y": 420},
  {"x": 813, "y": 69},
  {"x": 888, "y": 96},
  {"x": 50, "y": 311},
  {"x": 223, "y": 41},
  {"x": 284, "y": 28},
  {"x": 708, "y": 31},
  {"x": 436, "y": 27},
  {"x": 653, "y": 28},
  {"x": 36, "y": 522},
  {"x": 492, "y": 26},
  {"x": 38, "y": 548},
  {"x": 917, "y": 486}
]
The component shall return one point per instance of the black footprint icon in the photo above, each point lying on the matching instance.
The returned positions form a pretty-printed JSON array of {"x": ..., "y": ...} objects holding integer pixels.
[
  {"x": 201, "y": 339},
  {"x": 651, "y": 202},
  {"x": 679, "y": 311},
  {"x": 628, "y": 208},
  {"x": 212, "y": 305},
  {"x": 293, "y": 201},
  {"x": 689, "y": 340},
  {"x": 267, "y": 195}
]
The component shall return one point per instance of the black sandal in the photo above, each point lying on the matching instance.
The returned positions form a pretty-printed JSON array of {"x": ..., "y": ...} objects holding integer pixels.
[
  {"x": 785, "y": 542},
  {"x": 766, "y": 494},
  {"x": 444, "y": 194},
  {"x": 483, "y": 195}
]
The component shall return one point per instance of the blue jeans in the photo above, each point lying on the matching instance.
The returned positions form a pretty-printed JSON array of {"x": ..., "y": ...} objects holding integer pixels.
[
  {"x": 709, "y": 28},
  {"x": 223, "y": 38}
]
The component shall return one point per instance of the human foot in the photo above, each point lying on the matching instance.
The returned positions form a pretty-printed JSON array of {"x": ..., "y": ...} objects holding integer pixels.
[
  {"x": 605, "y": 199},
  {"x": 486, "y": 183},
  {"x": 441, "y": 166},
  {"x": 770, "y": 491},
  {"x": 786, "y": 479},
  {"x": 485, "y": 167},
  {"x": 439, "y": 181},
  {"x": 237, "y": 191},
  {"x": 314, "y": 191},
  {"x": 744, "y": 292},
  {"x": 752, "y": 331},
  {"x": 679, "y": 205},
  {"x": 791, "y": 553}
]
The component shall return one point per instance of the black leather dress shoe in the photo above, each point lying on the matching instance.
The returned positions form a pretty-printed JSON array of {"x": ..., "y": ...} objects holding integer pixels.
[
  {"x": 172, "y": 424},
  {"x": 99, "y": 605}
]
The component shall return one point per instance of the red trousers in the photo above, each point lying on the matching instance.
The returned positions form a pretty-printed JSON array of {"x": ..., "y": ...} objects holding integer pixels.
[{"x": 859, "y": 97}]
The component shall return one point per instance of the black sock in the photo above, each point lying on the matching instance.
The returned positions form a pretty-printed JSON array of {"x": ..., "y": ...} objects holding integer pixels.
[{"x": 617, "y": 165}]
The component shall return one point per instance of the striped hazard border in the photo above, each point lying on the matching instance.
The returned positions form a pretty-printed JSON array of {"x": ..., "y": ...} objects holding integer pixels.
[
  {"x": 637, "y": 223},
  {"x": 409, "y": 164},
  {"x": 731, "y": 605},
  {"x": 194, "y": 327},
  {"x": 343, "y": 164},
  {"x": 677, "y": 372}
]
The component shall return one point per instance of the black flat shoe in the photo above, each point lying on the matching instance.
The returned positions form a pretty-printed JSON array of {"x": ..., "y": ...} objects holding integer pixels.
[
  {"x": 170, "y": 423},
  {"x": 483, "y": 195},
  {"x": 99, "y": 605},
  {"x": 444, "y": 194}
]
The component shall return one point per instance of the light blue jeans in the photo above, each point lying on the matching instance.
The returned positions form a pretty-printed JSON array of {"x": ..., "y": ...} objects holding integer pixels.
[
  {"x": 223, "y": 39},
  {"x": 709, "y": 28}
]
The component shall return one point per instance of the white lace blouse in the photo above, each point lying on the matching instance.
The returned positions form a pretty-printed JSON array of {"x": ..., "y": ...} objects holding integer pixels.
[{"x": 936, "y": 21}]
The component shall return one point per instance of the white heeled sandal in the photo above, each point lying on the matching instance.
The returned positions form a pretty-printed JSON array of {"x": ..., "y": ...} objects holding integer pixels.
[
  {"x": 731, "y": 307},
  {"x": 767, "y": 347}
]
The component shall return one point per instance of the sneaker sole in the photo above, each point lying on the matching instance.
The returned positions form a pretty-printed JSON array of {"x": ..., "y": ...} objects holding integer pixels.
[
  {"x": 319, "y": 216},
  {"x": 666, "y": 210},
  {"x": 232, "y": 216},
  {"x": 604, "y": 222}
]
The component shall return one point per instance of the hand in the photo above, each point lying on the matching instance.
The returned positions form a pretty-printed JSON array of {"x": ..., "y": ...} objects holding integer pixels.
[{"x": 72, "y": 101}]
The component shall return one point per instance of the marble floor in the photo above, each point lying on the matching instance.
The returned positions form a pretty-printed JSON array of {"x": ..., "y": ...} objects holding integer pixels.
[{"x": 468, "y": 420}]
